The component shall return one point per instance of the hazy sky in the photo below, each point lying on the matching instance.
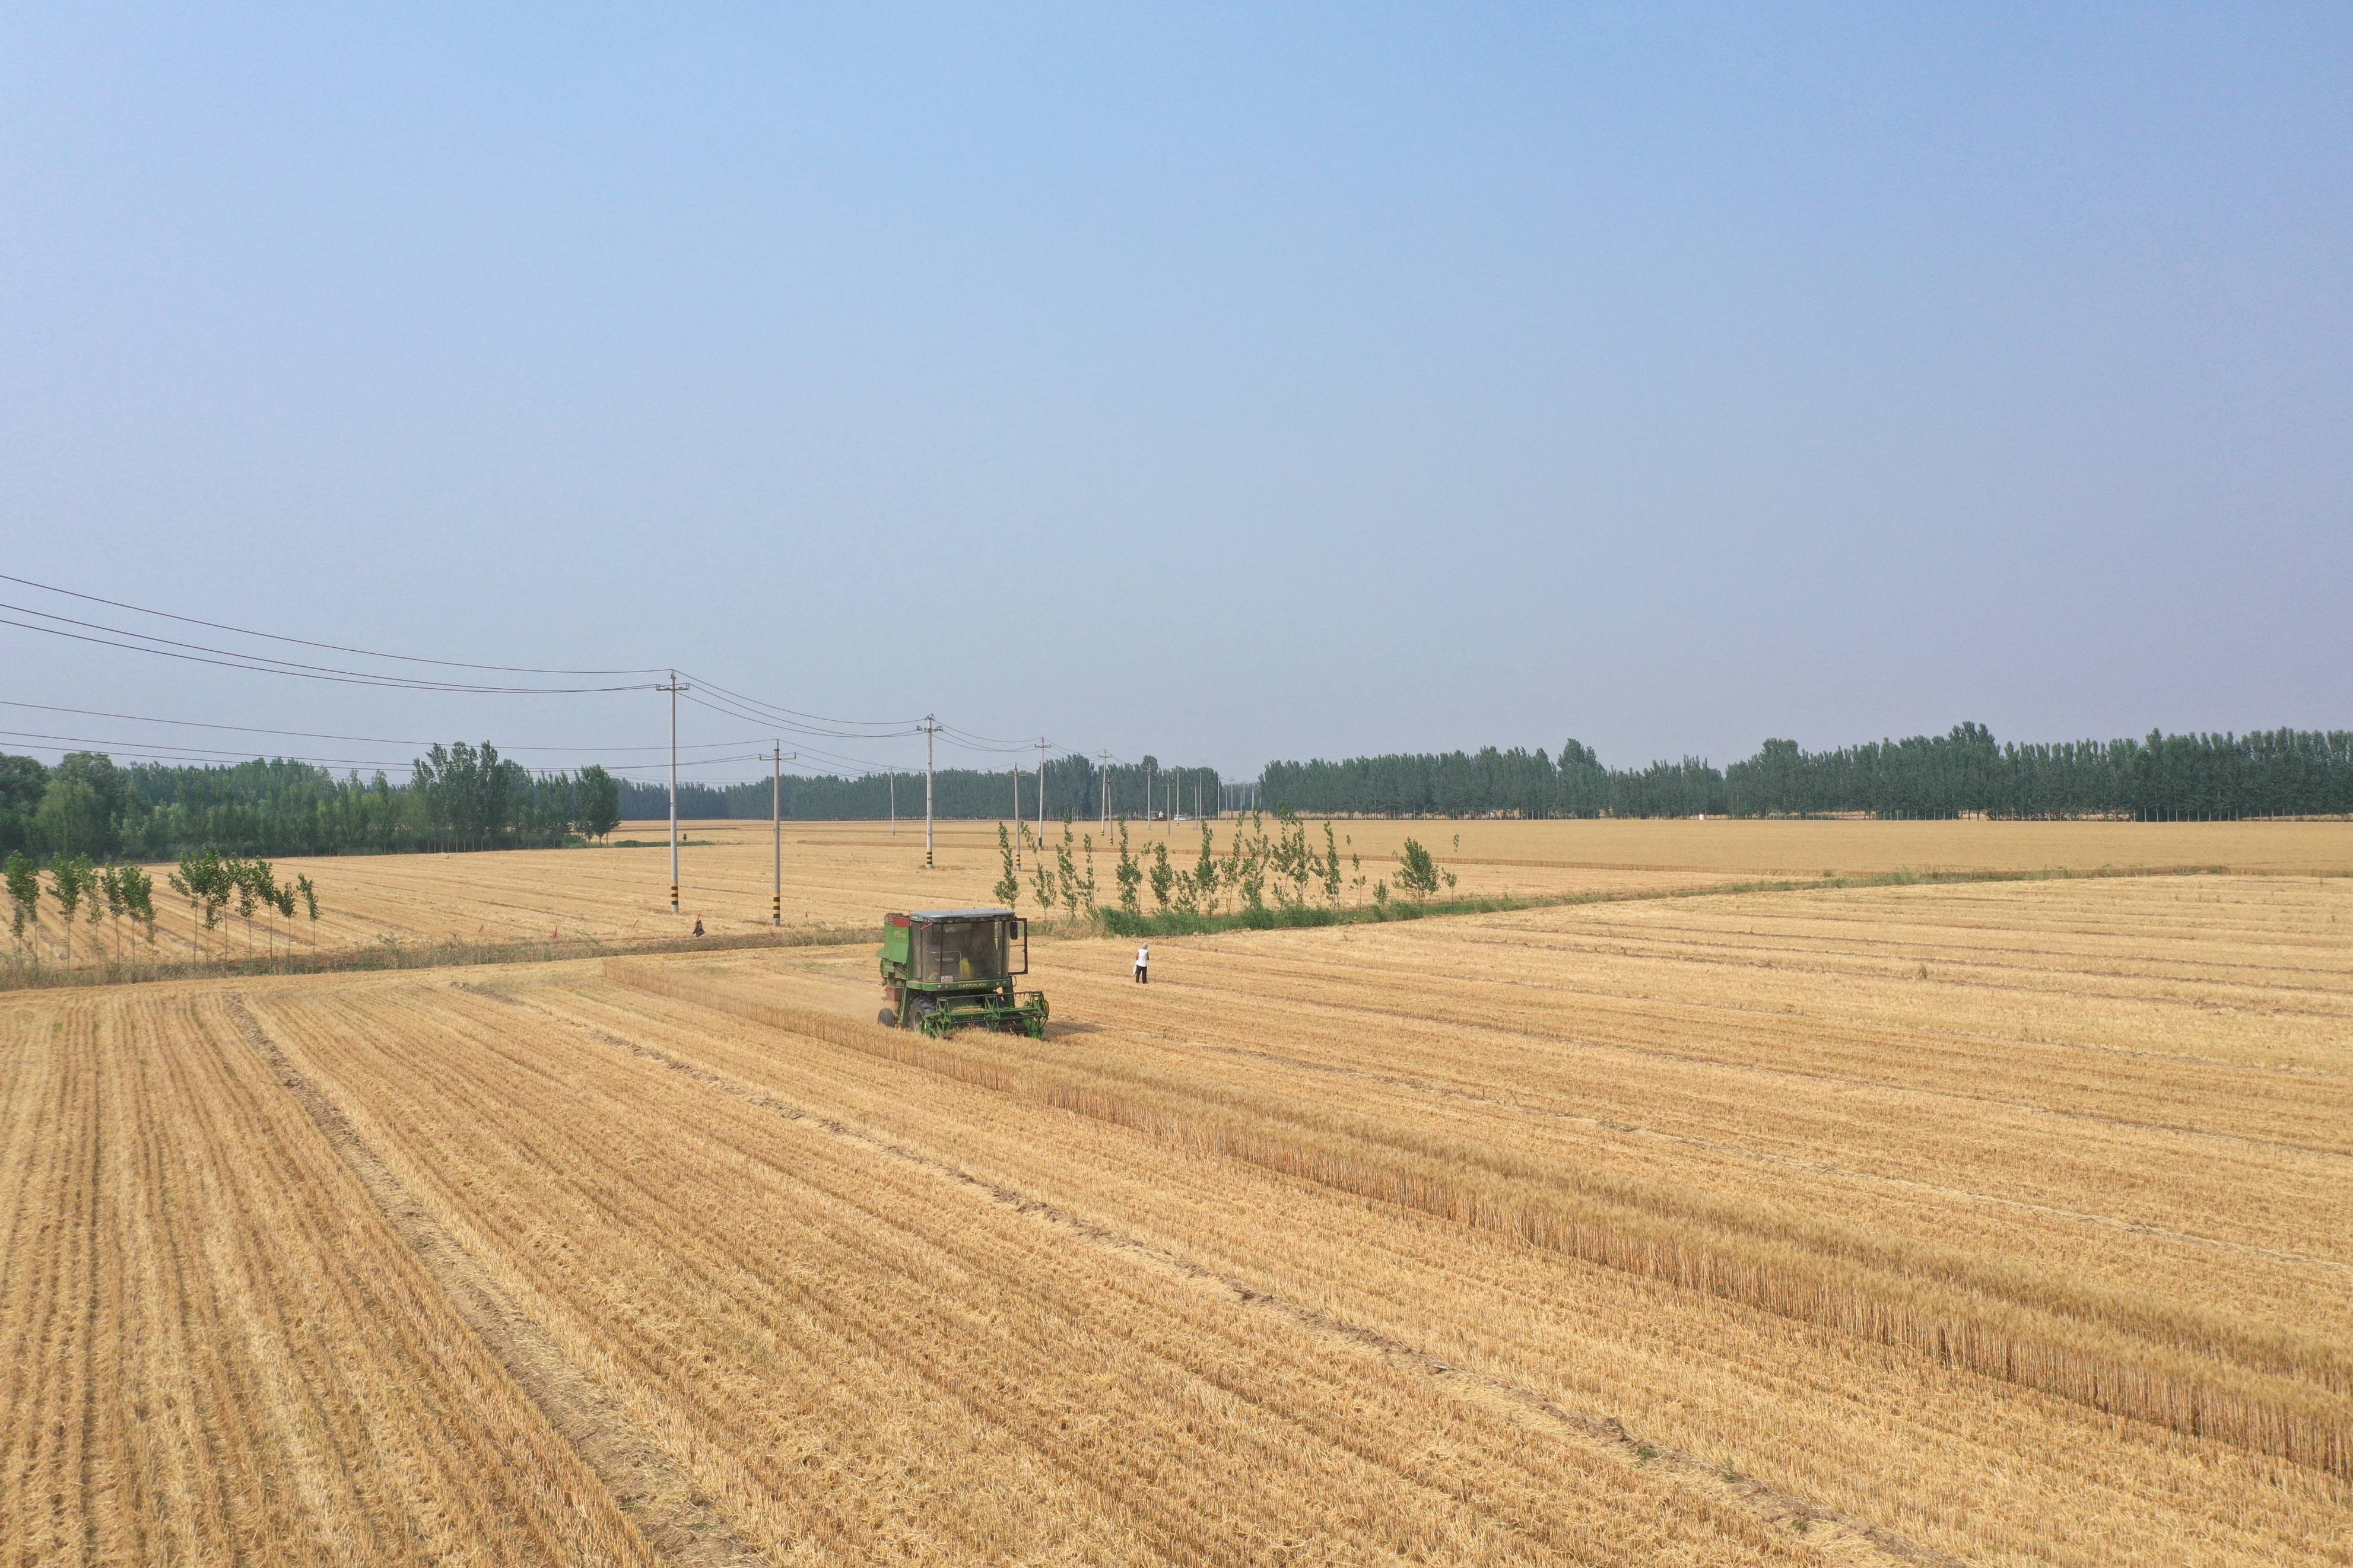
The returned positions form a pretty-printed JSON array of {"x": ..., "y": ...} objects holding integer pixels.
[{"x": 1222, "y": 385}]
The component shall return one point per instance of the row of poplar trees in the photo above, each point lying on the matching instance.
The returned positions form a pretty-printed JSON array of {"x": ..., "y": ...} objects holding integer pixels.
[
  {"x": 1964, "y": 772},
  {"x": 456, "y": 797}
]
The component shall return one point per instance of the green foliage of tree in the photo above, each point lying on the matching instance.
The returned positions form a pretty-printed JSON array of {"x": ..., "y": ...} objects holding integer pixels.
[
  {"x": 72, "y": 819},
  {"x": 110, "y": 889},
  {"x": 138, "y": 899},
  {"x": 1965, "y": 771},
  {"x": 1163, "y": 876},
  {"x": 207, "y": 882},
  {"x": 71, "y": 879},
  {"x": 23, "y": 782},
  {"x": 1008, "y": 882},
  {"x": 1417, "y": 871},
  {"x": 1247, "y": 863},
  {"x": 1203, "y": 883},
  {"x": 1066, "y": 870},
  {"x": 1129, "y": 875},
  {"x": 597, "y": 803},
  {"x": 23, "y": 896}
]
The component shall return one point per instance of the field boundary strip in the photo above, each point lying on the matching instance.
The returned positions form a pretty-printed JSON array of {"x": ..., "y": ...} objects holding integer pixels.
[
  {"x": 2009, "y": 1340},
  {"x": 680, "y": 1529},
  {"x": 1606, "y": 1433}
]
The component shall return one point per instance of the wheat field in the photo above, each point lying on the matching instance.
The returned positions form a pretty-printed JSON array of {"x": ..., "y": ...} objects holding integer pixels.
[
  {"x": 2006, "y": 1221},
  {"x": 845, "y": 875}
]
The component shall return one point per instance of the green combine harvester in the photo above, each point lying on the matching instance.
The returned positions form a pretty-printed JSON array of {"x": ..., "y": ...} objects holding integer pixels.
[{"x": 944, "y": 969}]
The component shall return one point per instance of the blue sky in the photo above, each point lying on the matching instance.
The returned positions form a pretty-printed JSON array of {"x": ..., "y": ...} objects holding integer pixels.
[{"x": 1227, "y": 385}]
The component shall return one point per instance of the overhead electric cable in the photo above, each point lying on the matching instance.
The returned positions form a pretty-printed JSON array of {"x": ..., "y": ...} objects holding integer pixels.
[
  {"x": 987, "y": 742},
  {"x": 905, "y": 725},
  {"x": 259, "y": 666},
  {"x": 952, "y": 738},
  {"x": 305, "y": 642},
  {"x": 143, "y": 747},
  {"x": 317, "y": 735},
  {"x": 196, "y": 756},
  {"x": 791, "y": 727}
]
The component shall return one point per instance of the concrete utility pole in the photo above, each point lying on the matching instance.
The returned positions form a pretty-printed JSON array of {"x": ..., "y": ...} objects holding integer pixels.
[
  {"x": 673, "y": 688},
  {"x": 1017, "y": 819},
  {"x": 894, "y": 800},
  {"x": 931, "y": 728},
  {"x": 776, "y": 827},
  {"x": 1106, "y": 816}
]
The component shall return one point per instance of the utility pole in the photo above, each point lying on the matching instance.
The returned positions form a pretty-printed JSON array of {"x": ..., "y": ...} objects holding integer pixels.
[
  {"x": 931, "y": 728},
  {"x": 776, "y": 827},
  {"x": 1017, "y": 819},
  {"x": 1106, "y": 816},
  {"x": 673, "y": 688},
  {"x": 894, "y": 800}
]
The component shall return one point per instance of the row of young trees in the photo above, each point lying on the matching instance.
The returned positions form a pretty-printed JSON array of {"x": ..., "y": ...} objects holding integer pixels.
[
  {"x": 456, "y": 797},
  {"x": 118, "y": 894},
  {"x": 124, "y": 896},
  {"x": 2276, "y": 773},
  {"x": 1073, "y": 784},
  {"x": 1286, "y": 864}
]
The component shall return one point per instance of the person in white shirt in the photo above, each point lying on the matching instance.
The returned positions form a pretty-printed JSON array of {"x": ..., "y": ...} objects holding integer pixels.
[{"x": 1143, "y": 962}]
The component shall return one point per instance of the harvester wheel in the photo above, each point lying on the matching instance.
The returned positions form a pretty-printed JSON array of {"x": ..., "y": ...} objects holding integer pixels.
[
  {"x": 888, "y": 1018},
  {"x": 919, "y": 1014}
]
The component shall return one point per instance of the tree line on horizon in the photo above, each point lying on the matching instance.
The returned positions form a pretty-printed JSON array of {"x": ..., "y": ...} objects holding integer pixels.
[
  {"x": 1964, "y": 772},
  {"x": 460, "y": 796},
  {"x": 463, "y": 796},
  {"x": 1073, "y": 784}
]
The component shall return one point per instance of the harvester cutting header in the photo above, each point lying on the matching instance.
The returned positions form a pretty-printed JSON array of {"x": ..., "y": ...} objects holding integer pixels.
[{"x": 943, "y": 969}]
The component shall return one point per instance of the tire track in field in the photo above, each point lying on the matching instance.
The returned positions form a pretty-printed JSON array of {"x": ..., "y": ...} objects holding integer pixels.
[
  {"x": 1606, "y": 1433},
  {"x": 670, "y": 1513}
]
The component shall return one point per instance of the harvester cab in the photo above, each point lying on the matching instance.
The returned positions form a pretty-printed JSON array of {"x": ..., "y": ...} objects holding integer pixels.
[{"x": 944, "y": 969}]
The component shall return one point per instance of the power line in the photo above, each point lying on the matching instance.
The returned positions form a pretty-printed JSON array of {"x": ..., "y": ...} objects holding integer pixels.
[
  {"x": 302, "y": 642},
  {"x": 198, "y": 757},
  {"x": 952, "y": 737},
  {"x": 736, "y": 710},
  {"x": 259, "y": 666},
  {"x": 317, "y": 735},
  {"x": 197, "y": 753},
  {"x": 980, "y": 743},
  {"x": 902, "y": 726}
]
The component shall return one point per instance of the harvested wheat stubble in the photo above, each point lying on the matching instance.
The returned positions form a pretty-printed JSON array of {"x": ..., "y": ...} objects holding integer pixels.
[
  {"x": 1958, "y": 1463},
  {"x": 1248, "y": 1265},
  {"x": 2259, "y": 1385},
  {"x": 217, "y": 1350},
  {"x": 860, "y": 1359},
  {"x": 2120, "y": 1264}
]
